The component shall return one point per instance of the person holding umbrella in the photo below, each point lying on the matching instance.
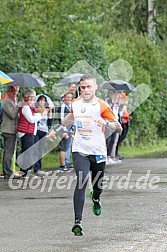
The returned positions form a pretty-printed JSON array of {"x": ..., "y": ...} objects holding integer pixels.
[
  {"x": 90, "y": 115},
  {"x": 9, "y": 129},
  {"x": 125, "y": 121},
  {"x": 72, "y": 81},
  {"x": 113, "y": 99},
  {"x": 72, "y": 88}
]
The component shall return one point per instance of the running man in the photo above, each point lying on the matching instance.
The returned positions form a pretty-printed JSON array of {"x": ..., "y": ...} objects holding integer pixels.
[{"x": 90, "y": 116}]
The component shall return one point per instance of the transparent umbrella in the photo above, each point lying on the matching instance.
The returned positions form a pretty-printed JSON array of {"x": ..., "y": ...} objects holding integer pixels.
[{"x": 49, "y": 101}]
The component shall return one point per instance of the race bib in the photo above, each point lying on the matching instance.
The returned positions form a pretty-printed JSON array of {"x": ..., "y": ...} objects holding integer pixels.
[{"x": 100, "y": 158}]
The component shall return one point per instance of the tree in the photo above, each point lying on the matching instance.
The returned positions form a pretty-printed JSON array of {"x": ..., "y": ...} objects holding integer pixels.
[{"x": 151, "y": 20}]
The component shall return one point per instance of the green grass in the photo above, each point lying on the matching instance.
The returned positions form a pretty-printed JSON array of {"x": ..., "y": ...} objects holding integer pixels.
[
  {"x": 51, "y": 161},
  {"x": 144, "y": 151},
  {"x": 159, "y": 149}
]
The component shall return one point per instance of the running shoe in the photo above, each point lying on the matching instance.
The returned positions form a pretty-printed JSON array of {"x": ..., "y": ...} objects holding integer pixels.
[
  {"x": 62, "y": 169},
  {"x": 96, "y": 205},
  {"x": 70, "y": 165},
  {"x": 70, "y": 169},
  {"x": 110, "y": 161},
  {"x": 77, "y": 228}
]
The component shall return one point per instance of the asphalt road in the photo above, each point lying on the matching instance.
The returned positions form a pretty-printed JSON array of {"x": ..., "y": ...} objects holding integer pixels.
[{"x": 37, "y": 215}]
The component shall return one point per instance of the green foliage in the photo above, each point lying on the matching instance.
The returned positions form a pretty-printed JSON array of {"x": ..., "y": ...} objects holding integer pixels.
[
  {"x": 47, "y": 35},
  {"x": 149, "y": 67}
]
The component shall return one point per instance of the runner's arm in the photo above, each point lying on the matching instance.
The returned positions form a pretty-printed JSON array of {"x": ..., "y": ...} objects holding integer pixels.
[
  {"x": 114, "y": 125},
  {"x": 67, "y": 121},
  {"x": 110, "y": 120}
]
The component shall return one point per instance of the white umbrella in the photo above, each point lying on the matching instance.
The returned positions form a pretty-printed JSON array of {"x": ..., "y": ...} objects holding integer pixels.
[{"x": 49, "y": 101}]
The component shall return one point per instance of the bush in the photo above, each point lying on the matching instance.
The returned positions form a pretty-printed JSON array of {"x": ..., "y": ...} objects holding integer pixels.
[{"x": 149, "y": 66}]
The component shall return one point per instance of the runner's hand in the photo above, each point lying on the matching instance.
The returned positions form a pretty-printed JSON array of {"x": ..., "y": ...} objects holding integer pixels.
[
  {"x": 118, "y": 127},
  {"x": 100, "y": 122},
  {"x": 114, "y": 125}
]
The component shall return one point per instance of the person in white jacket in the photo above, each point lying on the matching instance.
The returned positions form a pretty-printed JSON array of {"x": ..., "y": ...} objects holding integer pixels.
[{"x": 27, "y": 127}]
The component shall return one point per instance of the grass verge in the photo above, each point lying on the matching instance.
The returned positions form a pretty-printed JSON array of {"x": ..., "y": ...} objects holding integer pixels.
[{"x": 158, "y": 150}]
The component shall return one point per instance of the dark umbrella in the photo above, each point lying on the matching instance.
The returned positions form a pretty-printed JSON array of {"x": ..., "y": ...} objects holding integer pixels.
[
  {"x": 70, "y": 79},
  {"x": 118, "y": 85},
  {"x": 26, "y": 80}
]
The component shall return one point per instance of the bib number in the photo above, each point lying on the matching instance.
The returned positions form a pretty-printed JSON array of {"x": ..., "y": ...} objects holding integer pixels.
[{"x": 100, "y": 158}]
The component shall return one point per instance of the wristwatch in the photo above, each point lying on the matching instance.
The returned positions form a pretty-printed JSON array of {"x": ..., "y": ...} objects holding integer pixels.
[{"x": 107, "y": 122}]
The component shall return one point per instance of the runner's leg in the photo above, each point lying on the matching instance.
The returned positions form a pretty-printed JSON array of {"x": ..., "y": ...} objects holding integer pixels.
[
  {"x": 81, "y": 167},
  {"x": 97, "y": 175}
]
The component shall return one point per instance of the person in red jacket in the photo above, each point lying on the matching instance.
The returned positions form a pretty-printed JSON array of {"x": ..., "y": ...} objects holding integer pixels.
[
  {"x": 27, "y": 126},
  {"x": 125, "y": 121}
]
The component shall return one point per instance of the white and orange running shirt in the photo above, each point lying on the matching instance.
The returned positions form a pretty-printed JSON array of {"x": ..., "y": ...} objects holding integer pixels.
[{"x": 89, "y": 137}]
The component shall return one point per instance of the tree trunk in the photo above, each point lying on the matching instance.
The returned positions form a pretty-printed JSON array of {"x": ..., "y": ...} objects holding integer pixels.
[{"x": 151, "y": 20}]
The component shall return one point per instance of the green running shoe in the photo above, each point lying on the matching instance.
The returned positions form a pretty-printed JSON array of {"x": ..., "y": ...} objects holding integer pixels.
[
  {"x": 77, "y": 228},
  {"x": 96, "y": 205}
]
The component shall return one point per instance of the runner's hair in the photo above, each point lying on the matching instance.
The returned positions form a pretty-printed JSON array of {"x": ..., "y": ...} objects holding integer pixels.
[{"x": 88, "y": 77}]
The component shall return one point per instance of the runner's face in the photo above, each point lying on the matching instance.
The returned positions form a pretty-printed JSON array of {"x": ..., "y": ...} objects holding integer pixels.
[{"x": 88, "y": 89}]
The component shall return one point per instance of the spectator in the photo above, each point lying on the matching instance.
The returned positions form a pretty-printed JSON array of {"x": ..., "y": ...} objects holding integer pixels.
[
  {"x": 72, "y": 88},
  {"x": 9, "y": 129},
  {"x": 27, "y": 127},
  {"x": 63, "y": 110},
  {"x": 42, "y": 130},
  {"x": 125, "y": 122},
  {"x": 113, "y": 99},
  {"x": 0, "y": 108}
]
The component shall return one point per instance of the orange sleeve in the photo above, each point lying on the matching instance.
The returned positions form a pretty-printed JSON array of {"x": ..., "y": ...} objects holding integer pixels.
[{"x": 106, "y": 111}]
